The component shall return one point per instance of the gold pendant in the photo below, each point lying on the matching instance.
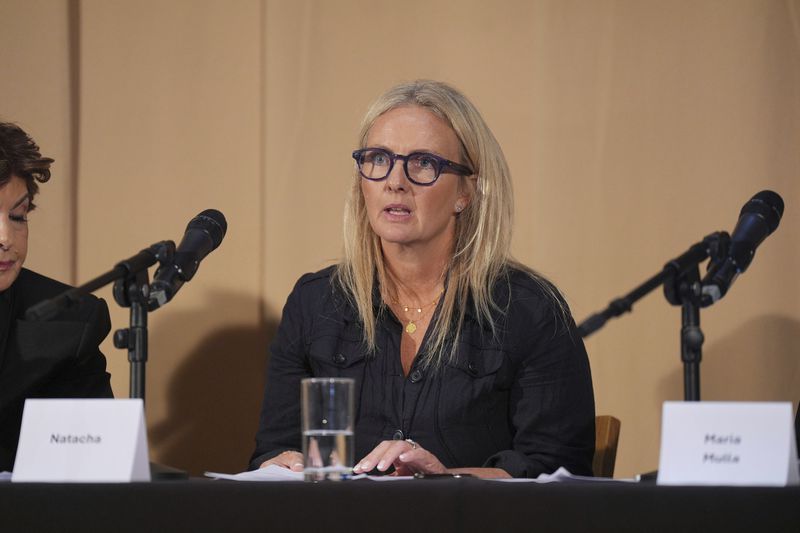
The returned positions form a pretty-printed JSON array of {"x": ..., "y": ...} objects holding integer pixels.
[{"x": 411, "y": 328}]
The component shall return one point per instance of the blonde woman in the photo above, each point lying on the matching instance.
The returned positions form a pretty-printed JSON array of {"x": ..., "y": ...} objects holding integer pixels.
[{"x": 465, "y": 361}]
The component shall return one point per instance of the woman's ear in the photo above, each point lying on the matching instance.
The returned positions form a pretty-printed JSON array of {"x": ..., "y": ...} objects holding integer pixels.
[{"x": 467, "y": 189}]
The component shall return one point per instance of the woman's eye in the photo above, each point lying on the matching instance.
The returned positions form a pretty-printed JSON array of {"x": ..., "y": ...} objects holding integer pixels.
[
  {"x": 380, "y": 159},
  {"x": 20, "y": 214},
  {"x": 426, "y": 162}
]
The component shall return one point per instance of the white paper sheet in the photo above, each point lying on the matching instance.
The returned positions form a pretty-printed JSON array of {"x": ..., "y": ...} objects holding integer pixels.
[
  {"x": 562, "y": 475},
  {"x": 279, "y": 473}
]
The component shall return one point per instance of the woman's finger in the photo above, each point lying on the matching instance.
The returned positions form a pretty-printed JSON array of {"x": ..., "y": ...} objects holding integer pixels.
[
  {"x": 288, "y": 459},
  {"x": 419, "y": 460},
  {"x": 383, "y": 456}
]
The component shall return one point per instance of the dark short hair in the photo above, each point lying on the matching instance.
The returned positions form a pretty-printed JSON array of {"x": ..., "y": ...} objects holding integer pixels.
[{"x": 19, "y": 156}]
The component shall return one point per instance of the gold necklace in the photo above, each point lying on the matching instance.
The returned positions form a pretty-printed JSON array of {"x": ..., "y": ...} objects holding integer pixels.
[{"x": 411, "y": 327}]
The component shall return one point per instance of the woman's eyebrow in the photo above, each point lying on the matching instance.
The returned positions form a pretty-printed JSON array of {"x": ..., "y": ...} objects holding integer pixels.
[{"x": 27, "y": 196}]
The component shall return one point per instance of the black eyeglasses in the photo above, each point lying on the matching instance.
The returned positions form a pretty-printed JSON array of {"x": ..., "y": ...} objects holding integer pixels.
[{"x": 422, "y": 168}]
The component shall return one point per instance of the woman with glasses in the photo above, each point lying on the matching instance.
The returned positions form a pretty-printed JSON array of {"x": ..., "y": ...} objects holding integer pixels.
[
  {"x": 465, "y": 361},
  {"x": 55, "y": 359}
]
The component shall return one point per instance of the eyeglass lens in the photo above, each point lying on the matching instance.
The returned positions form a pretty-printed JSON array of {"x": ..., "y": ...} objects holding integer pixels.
[{"x": 420, "y": 167}]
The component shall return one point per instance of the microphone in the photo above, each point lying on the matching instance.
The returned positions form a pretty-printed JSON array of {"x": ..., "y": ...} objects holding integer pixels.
[
  {"x": 759, "y": 217},
  {"x": 203, "y": 234}
]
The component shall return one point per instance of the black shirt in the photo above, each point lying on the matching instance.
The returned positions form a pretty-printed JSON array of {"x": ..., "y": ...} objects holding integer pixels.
[
  {"x": 58, "y": 358},
  {"x": 520, "y": 400}
]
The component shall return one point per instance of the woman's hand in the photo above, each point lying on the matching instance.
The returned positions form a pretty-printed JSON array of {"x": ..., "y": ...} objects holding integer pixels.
[
  {"x": 407, "y": 457},
  {"x": 288, "y": 459}
]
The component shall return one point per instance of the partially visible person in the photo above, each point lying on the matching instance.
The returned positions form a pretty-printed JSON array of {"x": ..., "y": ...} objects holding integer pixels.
[
  {"x": 60, "y": 358},
  {"x": 465, "y": 360}
]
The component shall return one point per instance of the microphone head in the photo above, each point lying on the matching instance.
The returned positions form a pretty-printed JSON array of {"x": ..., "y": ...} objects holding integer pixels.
[
  {"x": 759, "y": 217},
  {"x": 204, "y": 233},
  {"x": 767, "y": 205},
  {"x": 212, "y": 222}
]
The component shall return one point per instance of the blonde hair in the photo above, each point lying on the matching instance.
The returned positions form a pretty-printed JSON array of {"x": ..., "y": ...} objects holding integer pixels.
[{"x": 482, "y": 232}]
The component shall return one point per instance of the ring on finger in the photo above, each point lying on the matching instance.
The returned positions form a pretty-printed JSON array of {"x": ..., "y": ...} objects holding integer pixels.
[{"x": 412, "y": 443}]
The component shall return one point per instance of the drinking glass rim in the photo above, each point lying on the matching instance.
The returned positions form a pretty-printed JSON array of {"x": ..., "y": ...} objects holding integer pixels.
[{"x": 327, "y": 380}]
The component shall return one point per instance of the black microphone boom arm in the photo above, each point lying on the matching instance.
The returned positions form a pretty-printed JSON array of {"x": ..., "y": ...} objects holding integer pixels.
[
  {"x": 160, "y": 252},
  {"x": 713, "y": 245}
]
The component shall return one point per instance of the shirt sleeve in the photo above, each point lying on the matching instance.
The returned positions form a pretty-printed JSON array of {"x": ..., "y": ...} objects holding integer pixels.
[
  {"x": 551, "y": 405},
  {"x": 87, "y": 376},
  {"x": 279, "y": 423}
]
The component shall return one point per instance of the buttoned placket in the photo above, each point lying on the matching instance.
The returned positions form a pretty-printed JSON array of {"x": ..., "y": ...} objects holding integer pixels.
[{"x": 406, "y": 390}]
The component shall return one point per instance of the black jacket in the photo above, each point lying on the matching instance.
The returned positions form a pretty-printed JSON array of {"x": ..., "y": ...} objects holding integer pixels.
[
  {"x": 59, "y": 358},
  {"x": 522, "y": 401}
]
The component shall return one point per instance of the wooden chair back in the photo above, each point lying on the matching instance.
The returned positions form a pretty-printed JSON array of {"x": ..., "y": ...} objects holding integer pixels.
[{"x": 605, "y": 448}]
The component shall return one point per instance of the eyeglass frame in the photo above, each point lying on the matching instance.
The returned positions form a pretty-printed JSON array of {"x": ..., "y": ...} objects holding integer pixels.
[{"x": 444, "y": 165}]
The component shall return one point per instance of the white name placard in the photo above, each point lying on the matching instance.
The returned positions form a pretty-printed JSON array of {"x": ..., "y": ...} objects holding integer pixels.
[
  {"x": 728, "y": 443},
  {"x": 82, "y": 440}
]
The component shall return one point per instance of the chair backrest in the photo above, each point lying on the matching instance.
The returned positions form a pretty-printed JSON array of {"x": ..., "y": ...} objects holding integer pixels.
[{"x": 605, "y": 447}]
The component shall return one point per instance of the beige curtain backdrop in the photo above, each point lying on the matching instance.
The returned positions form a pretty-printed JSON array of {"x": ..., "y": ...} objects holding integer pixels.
[{"x": 633, "y": 128}]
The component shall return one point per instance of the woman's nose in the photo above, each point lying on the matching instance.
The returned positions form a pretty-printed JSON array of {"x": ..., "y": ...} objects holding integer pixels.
[
  {"x": 397, "y": 180},
  {"x": 6, "y": 234}
]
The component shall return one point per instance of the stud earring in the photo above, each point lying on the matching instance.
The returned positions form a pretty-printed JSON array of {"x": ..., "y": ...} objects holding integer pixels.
[{"x": 459, "y": 208}]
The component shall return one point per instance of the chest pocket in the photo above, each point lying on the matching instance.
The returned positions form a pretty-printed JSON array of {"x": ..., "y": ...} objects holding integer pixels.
[
  {"x": 337, "y": 353},
  {"x": 472, "y": 387},
  {"x": 479, "y": 363},
  {"x": 473, "y": 406}
]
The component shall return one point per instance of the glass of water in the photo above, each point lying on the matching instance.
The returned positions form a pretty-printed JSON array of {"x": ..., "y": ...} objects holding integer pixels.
[{"x": 327, "y": 405}]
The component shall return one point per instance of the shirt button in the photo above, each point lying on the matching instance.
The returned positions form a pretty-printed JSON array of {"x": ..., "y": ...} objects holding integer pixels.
[
  {"x": 472, "y": 368},
  {"x": 416, "y": 375},
  {"x": 339, "y": 359},
  {"x": 398, "y": 435}
]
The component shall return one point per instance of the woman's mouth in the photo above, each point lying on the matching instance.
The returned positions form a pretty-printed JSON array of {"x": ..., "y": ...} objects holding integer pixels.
[{"x": 397, "y": 210}]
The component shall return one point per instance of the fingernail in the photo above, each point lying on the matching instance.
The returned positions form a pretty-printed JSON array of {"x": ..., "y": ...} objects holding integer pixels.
[
  {"x": 382, "y": 465},
  {"x": 357, "y": 468},
  {"x": 402, "y": 457},
  {"x": 298, "y": 465}
]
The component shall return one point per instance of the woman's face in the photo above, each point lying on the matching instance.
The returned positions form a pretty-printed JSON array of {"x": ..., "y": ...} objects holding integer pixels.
[
  {"x": 401, "y": 212},
  {"x": 14, "y": 205}
]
